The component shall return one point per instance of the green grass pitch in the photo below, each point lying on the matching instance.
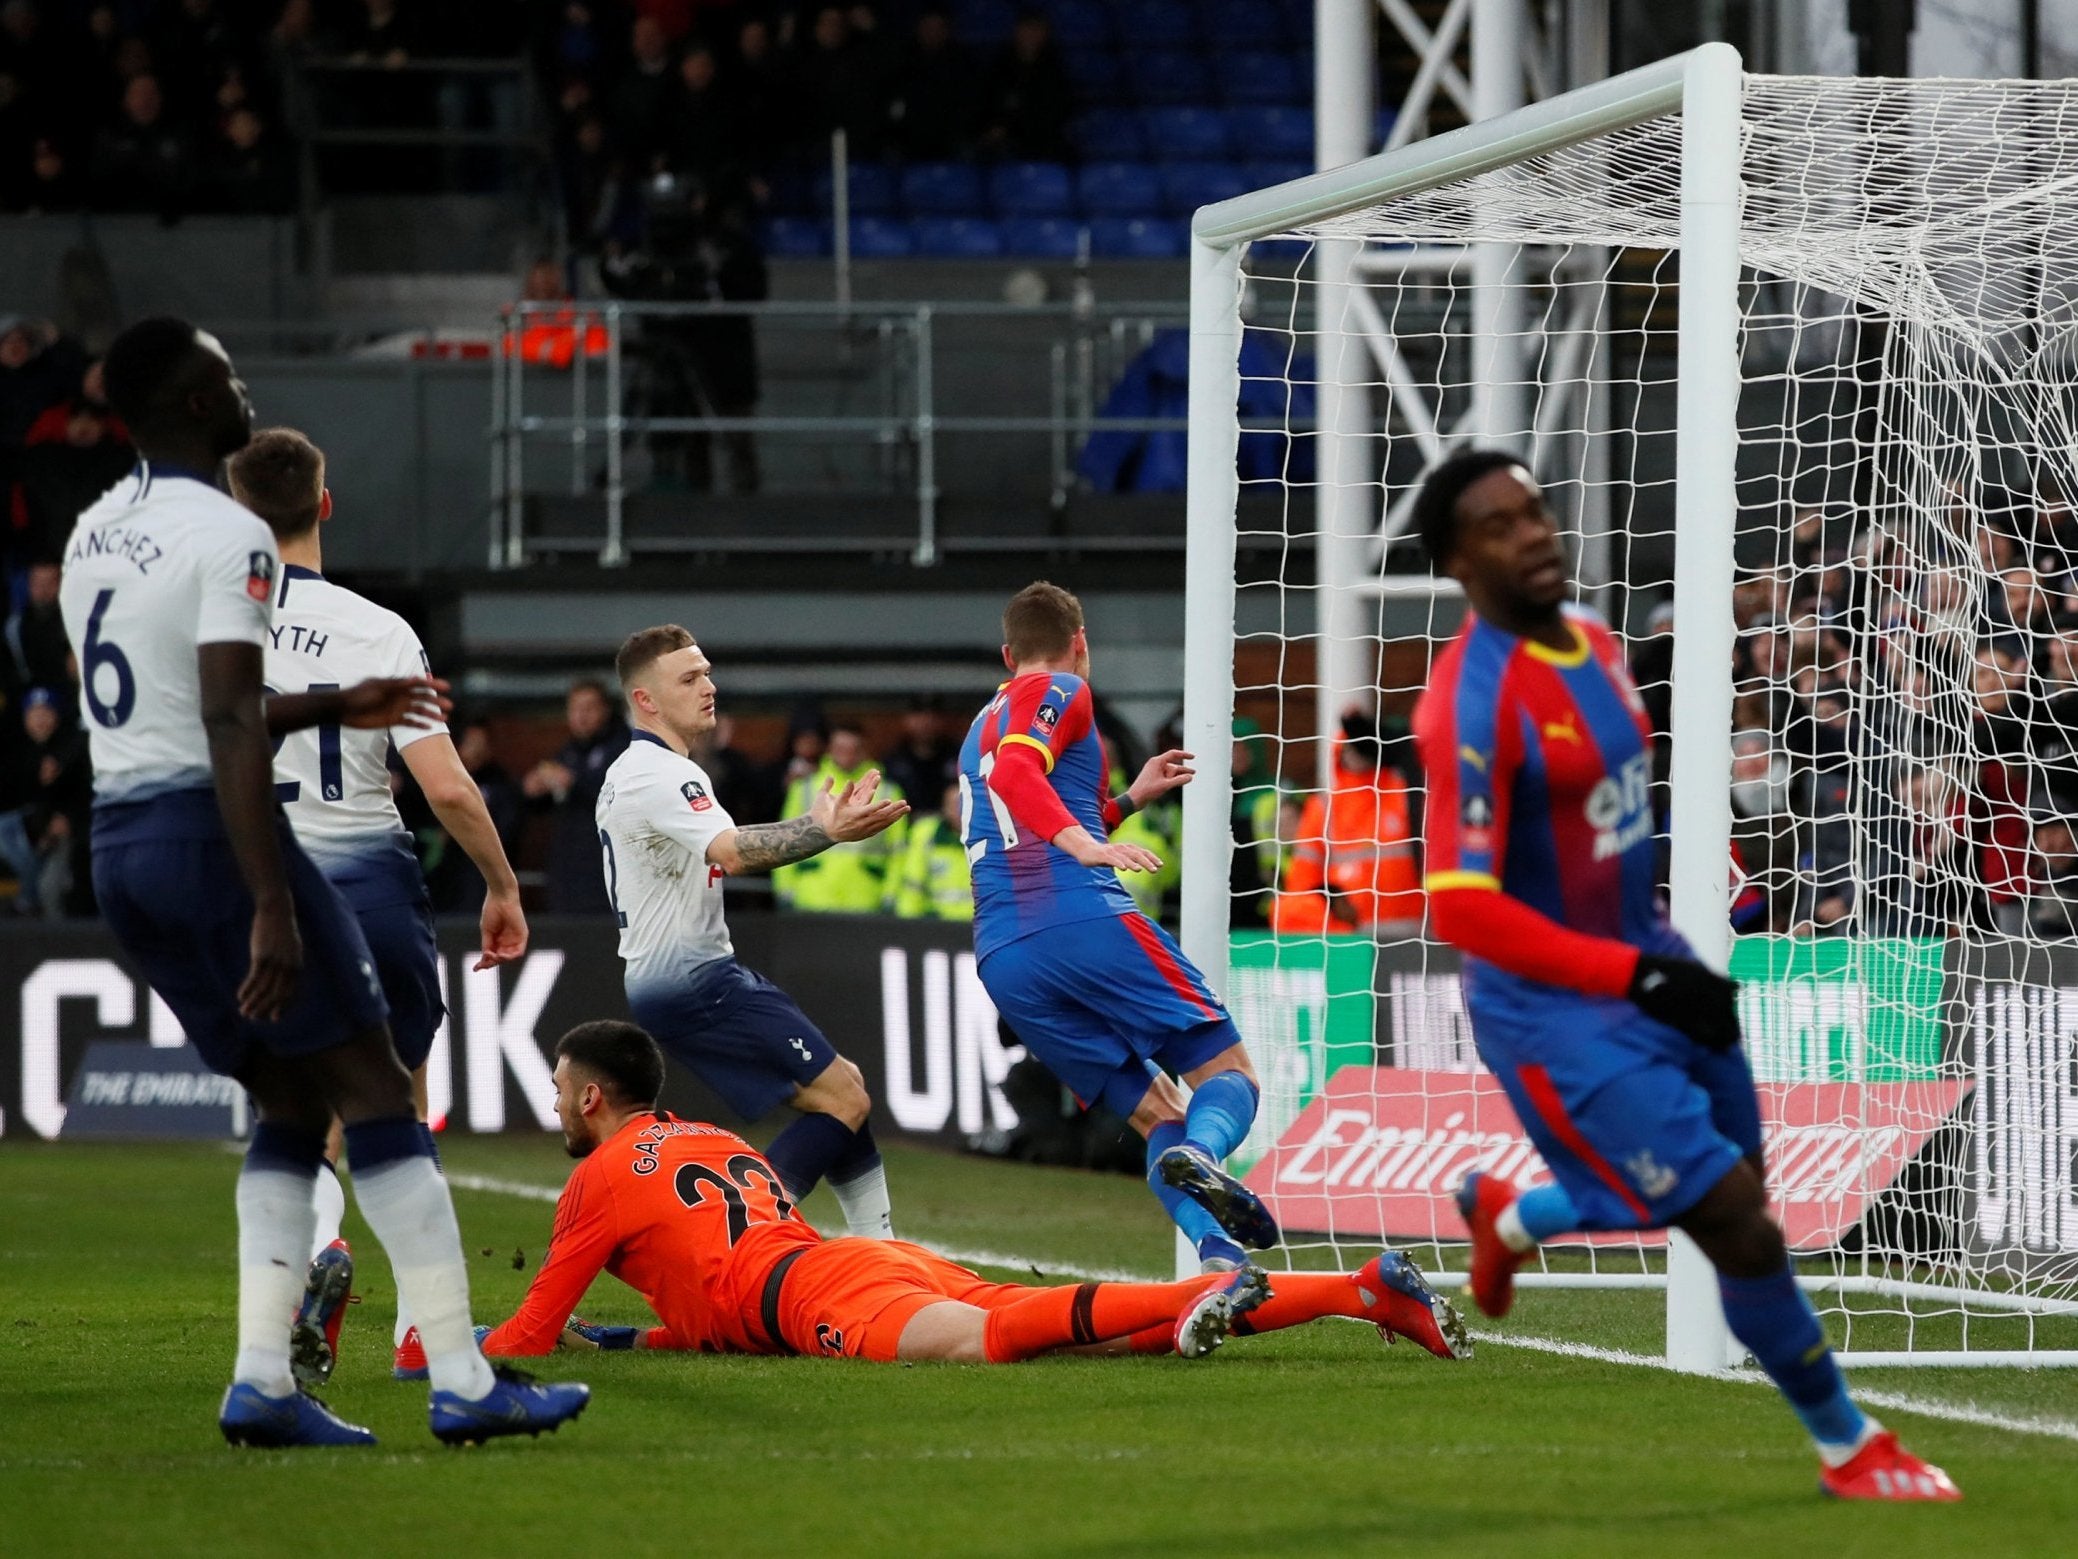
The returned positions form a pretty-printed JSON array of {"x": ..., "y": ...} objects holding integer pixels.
[{"x": 116, "y": 1334}]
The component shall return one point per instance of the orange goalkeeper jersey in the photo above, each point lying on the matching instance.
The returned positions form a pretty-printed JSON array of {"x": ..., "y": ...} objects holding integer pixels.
[{"x": 689, "y": 1216}]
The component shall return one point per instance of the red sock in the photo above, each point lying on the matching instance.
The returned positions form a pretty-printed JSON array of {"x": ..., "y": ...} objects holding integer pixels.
[
  {"x": 1299, "y": 1297},
  {"x": 1156, "y": 1339},
  {"x": 1089, "y": 1312}
]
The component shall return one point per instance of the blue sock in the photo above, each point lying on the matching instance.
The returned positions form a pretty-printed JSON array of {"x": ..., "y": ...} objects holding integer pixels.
[
  {"x": 1222, "y": 1108},
  {"x": 1193, "y": 1220},
  {"x": 807, "y": 1150},
  {"x": 1546, "y": 1210},
  {"x": 1775, "y": 1321}
]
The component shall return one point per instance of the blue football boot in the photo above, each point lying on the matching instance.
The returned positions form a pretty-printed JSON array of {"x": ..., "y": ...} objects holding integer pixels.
[
  {"x": 1190, "y": 1169},
  {"x": 518, "y": 1404},
  {"x": 250, "y": 1417},
  {"x": 1210, "y": 1319}
]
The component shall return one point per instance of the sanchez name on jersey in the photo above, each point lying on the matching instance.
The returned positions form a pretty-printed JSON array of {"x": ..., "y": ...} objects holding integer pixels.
[{"x": 160, "y": 564}]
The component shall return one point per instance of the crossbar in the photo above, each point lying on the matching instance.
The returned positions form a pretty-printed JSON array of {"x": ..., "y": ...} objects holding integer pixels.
[{"x": 1649, "y": 92}]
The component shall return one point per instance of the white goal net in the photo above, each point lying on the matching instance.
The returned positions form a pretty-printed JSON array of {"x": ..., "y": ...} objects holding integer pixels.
[{"x": 1892, "y": 623}]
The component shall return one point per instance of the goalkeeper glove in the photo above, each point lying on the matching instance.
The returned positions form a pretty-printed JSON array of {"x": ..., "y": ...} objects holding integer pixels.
[
  {"x": 1684, "y": 995},
  {"x": 609, "y": 1338}
]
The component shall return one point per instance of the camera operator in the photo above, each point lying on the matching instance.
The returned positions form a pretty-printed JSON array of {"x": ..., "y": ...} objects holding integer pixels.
[{"x": 695, "y": 251}]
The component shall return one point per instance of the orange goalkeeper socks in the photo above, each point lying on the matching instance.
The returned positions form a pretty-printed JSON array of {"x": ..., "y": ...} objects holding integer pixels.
[
  {"x": 1295, "y": 1298},
  {"x": 1299, "y": 1297},
  {"x": 1088, "y": 1313}
]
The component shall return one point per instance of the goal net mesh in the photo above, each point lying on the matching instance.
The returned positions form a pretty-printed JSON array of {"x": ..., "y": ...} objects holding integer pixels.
[{"x": 1905, "y": 750}]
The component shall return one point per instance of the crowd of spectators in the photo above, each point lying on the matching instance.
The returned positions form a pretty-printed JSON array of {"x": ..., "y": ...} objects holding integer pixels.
[
  {"x": 736, "y": 96},
  {"x": 156, "y": 106},
  {"x": 1905, "y": 745}
]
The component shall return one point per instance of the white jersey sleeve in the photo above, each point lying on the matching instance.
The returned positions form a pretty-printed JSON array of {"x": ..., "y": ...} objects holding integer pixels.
[
  {"x": 158, "y": 566},
  {"x": 657, "y": 815},
  {"x": 406, "y": 657},
  {"x": 235, "y": 569}
]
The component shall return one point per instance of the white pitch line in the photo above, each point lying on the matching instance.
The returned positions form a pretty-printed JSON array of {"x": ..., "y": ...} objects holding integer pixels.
[
  {"x": 531, "y": 1193},
  {"x": 1892, "y": 1401}
]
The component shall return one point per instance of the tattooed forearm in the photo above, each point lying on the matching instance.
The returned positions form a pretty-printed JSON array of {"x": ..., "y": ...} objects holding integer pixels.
[{"x": 763, "y": 846}]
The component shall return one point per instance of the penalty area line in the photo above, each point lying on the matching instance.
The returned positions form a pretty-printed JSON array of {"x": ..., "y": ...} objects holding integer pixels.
[{"x": 1890, "y": 1401}]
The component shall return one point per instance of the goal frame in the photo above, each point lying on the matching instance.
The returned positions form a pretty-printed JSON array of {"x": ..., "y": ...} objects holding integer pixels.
[{"x": 1705, "y": 86}]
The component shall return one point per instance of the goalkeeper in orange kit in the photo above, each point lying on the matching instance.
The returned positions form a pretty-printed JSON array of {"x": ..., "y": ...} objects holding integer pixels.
[{"x": 696, "y": 1221}]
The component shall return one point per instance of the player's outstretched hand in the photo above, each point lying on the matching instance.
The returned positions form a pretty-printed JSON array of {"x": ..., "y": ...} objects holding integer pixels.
[
  {"x": 277, "y": 961},
  {"x": 381, "y": 702},
  {"x": 852, "y": 813},
  {"x": 1164, "y": 772},
  {"x": 1685, "y": 995},
  {"x": 1119, "y": 857},
  {"x": 504, "y": 927}
]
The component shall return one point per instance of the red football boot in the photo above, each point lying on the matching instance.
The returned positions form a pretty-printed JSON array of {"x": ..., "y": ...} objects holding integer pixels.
[
  {"x": 314, "y": 1334},
  {"x": 410, "y": 1363},
  {"x": 1480, "y": 1200},
  {"x": 1402, "y": 1304},
  {"x": 1884, "y": 1469}
]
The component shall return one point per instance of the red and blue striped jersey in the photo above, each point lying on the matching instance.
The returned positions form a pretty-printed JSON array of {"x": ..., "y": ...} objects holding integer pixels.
[
  {"x": 1539, "y": 772},
  {"x": 1023, "y": 884}
]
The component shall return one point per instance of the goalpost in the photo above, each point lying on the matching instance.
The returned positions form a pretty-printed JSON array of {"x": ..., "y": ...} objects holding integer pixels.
[{"x": 1797, "y": 354}]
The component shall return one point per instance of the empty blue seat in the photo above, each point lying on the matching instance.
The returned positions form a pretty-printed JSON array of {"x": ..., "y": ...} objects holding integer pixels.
[
  {"x": 1171, "y": 77},
  {"x": 1041, "y": 238},
  {"x": 1157, "y": 24},
  {"x": 1181, "y": 134},
  {"x": 1112, "y": 133},
  {"x": 1189, "y": 185},
  {"x": 797, "y": 238},
  {"x": 986, "y": 22},
  {"x": 881, "y": 238},
  {"x": 1130, "y": 189},
  {"x": 1098, "y": 75},
  {"x": 1079, "y": 24},
  {"x": 1137, "y": 238},
  {"x": 1240, "y": 24},
  {"x": 942, "y": 189},
  {"x": 872, "y": 190},
  {"x": 1032, "y": 189},
  {"x": 956, "y": 238},
  {"x": 1265, "y": 77},
  {"x": 1267, "y": 172},
  {"x": 1271, "y": 131}
]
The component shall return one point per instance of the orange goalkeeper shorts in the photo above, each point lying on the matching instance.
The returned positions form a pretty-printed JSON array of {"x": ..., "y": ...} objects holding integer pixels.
[{"x": 852, "y": 1297}]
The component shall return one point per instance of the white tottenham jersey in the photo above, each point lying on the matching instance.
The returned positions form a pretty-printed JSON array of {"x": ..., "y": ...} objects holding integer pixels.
[
  {"x": 159, "y": 564},
  {"x": 657, "y": 815},
  {"x": 334, "y": 782}
]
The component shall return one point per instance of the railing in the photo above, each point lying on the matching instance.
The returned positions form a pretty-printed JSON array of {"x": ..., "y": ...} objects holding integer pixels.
[{"x": 888, "y": 359}]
